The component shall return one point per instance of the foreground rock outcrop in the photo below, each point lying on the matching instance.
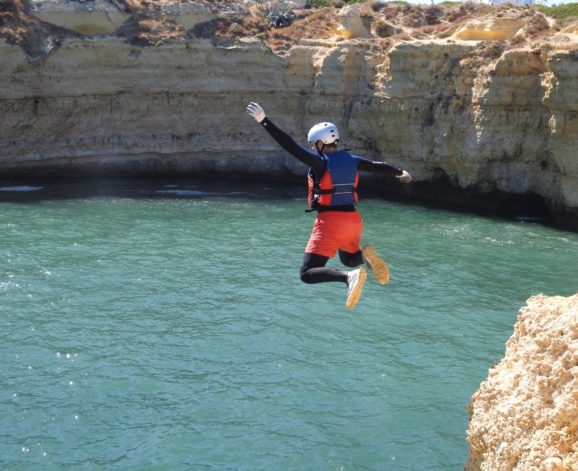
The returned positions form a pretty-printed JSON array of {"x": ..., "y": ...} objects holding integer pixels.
[
  {"x": 473, "y": 121},
  {"x": 525, "y": 415}
]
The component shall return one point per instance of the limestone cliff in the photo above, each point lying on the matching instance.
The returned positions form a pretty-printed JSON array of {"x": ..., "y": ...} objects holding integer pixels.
[
  {"x": 469, "y": 118},
  {"x": 525, "y": 415}
]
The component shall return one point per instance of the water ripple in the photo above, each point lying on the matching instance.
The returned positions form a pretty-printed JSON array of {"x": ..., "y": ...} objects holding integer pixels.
[{"x": 177, "y": 332}]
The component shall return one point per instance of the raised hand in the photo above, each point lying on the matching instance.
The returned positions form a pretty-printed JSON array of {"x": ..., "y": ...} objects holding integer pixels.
[{"x": 254, "y": 110}]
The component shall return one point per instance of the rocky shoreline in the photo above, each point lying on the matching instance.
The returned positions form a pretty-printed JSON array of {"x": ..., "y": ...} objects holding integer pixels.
[{"x": 525, "y": 415}]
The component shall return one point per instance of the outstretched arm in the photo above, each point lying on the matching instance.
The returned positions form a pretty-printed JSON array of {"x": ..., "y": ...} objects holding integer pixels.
[
  {"x": 383, "y": 168},
  {"x": 285, "y": 141}
]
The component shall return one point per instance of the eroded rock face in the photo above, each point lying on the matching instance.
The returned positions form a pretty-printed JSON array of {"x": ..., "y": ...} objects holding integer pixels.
[
  {"x": 493, "y": 126},
  {"x": 497, "y": 29},
  {"x": 107, "y": 106},
  {"x": 353, "y": 22},
  {"x": 525, "y": 415},
  {"x": 481, "y": 119}
]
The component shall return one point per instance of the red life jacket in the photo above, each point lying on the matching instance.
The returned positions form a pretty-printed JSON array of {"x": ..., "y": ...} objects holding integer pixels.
[{"x": 337, "y": 186}]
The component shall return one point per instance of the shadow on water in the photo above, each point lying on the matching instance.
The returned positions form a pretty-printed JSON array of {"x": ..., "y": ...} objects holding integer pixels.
[
  {"x": 521, "y": 208},
  {"x": 50, "y": 189}
]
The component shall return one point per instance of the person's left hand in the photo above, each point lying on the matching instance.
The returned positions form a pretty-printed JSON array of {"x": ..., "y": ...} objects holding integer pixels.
[{"x": 405, "y": 177}]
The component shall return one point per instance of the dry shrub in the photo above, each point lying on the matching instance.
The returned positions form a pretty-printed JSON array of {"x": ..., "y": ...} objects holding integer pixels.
[
  {"x": 470, "y": 7},
  {"x": 278, "y": 45},
  {"x": 376, "y": 5},
  {"x": 383, "y": 29},
  {"x": 309, "y": 24},
  {"x": 433, "y": 15},
  {"x": 492, "y": 50},
  {"x": 10, "y": 15},
  {"x": 313, "y": 24},
  {"x": 413, "y": 19},
  {"x": 431, "y": 19},
  {"x": 440, "y": 29},
  {"x": 154, "y": 32},
  {"x": 236, "y": 30},
  {"x": 537, "y": 24},
  {"x": 391, "y": 13},
  {"x": 14, "y": 23},
  {"x": 419, "y": 34},
  {"x": 413, "y": 16},
  {"x": 11, "y": 7},
  {"x": 254, "y": 25},
  {"x": 140, "y": 7},
  {"x": 226, "y": 28},
  {"x": 518, "y": 40}
]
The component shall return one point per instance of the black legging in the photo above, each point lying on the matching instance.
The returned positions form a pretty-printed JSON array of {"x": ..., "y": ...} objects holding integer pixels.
[{"x": 313, "y": 268}]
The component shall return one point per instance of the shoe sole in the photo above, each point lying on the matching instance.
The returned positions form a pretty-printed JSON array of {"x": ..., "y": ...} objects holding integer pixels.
[
  {"x": 355, "y": 295},
  {"x": 377, "y": 265}
]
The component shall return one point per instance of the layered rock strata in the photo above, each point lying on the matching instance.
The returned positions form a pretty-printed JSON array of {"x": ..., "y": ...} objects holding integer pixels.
[
  {"x": 525, "y": 415},
  {"x": 460, "y": 115}
]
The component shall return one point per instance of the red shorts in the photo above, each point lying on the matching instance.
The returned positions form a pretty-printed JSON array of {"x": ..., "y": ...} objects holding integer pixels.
[{"x": 335, "y": 230}]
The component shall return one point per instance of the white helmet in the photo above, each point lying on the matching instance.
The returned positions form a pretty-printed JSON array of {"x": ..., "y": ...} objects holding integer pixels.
[{"x": 324, "y": 132}]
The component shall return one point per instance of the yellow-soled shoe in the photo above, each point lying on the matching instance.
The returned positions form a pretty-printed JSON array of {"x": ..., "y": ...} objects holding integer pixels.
[
  {"x": 376, "y": 264},
  {"x": 355, "y": 281}
]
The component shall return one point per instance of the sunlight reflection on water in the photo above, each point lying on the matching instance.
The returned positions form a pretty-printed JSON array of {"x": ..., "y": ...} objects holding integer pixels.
[{"x": 176, "y": 333}]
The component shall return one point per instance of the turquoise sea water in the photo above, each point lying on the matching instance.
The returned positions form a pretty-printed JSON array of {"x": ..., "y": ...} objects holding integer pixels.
[{"x": 163, "y": 326}]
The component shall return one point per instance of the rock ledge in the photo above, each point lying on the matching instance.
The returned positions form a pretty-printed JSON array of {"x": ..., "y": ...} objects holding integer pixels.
[{"x": 525, "y": 415}]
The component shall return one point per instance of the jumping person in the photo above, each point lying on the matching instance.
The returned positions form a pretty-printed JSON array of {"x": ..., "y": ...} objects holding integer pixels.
[{"x": 333, "y": 177}]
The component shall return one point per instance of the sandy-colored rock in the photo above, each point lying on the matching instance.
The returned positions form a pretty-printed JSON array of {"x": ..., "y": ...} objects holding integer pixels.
[
  {"x": 354, "y": 22},
  {"x": 89, "y": 17},
  {"x": 571, "y": 30},
  {"x": 525, "y": 415},
  {"x": 464, "y": 114},
  {"x": 186, "y": 114},
  {"x": 494, "y": 29}
]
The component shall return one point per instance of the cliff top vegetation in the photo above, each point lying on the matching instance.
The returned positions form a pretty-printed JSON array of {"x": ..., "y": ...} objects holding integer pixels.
[{"x": 279, "y": 25}]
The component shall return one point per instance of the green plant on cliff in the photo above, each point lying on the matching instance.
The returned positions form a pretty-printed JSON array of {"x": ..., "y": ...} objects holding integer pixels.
[
  {"x": 278, "y": 13},
  {"x": 560, "y": 12}
]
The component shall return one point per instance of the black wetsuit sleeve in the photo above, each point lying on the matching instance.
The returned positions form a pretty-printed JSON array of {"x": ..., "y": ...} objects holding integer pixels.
[
  {"x": 313, "y": 160},
  {"x": 383, "y": 168}
]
